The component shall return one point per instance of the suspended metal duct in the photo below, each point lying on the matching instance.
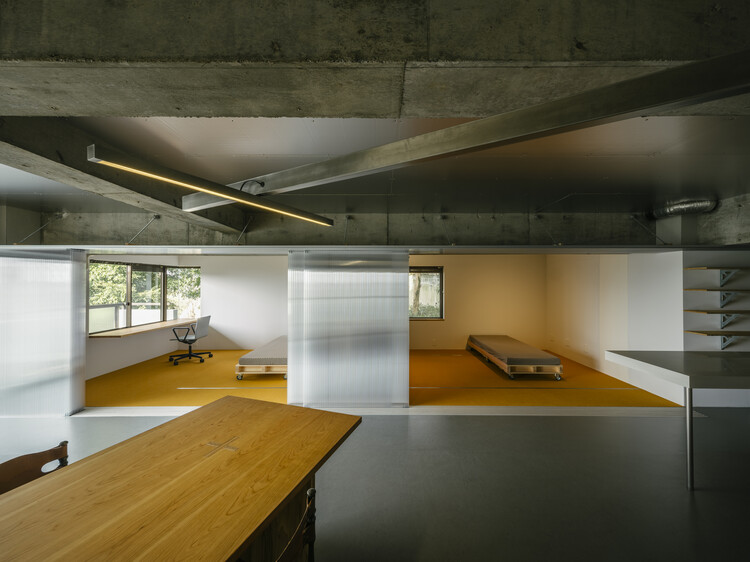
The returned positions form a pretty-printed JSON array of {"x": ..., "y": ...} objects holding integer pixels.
[{"x": 683, "y": 208}]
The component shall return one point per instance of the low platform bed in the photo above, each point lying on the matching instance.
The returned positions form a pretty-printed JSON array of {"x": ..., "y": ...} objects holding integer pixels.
[
  {"x": 268, "y": 358},
  {"x": 515, "y": 357}
]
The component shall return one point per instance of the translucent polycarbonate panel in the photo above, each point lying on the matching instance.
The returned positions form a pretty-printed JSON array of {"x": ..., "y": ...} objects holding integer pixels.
[
  {"x": 40, "y": 320},
  {"x": 348, "y": 328}
]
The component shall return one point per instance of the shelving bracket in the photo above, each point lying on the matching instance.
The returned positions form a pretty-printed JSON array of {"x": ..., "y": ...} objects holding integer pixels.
[
  {"x": 725, "y": 297},
  {"x": 726, "y": 341},
  {"x": 727, "y": 318},
  {"x": 725, "y": 275}
]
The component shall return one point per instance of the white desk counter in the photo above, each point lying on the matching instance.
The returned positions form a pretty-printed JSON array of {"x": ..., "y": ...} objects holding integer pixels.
[{"x": 689, "y": 369}]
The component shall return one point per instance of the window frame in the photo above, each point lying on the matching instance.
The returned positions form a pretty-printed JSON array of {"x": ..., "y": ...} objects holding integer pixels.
[
  {"x": 148, "y": 267},
  {"x": 431, "y": 269}
]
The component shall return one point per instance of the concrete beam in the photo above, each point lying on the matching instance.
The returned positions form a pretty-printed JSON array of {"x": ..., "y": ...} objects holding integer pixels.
[
  {"x": 367, "y": 90},
  {"x": 726, "y": 226},
  {"x": 56, "y": 150}
]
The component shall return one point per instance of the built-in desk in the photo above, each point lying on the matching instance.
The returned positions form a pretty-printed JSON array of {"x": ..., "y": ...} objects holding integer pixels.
[
  {"x": 143, "y": 328},
  {"x": 203, "y": 486},
  {"x": 690, "y": 369}
]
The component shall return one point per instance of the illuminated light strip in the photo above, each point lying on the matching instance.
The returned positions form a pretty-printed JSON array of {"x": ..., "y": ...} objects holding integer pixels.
[{"x": 92, "y": 158}]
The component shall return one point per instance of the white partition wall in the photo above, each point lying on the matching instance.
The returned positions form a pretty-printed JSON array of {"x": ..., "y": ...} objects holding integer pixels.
[
  {"x": 41, "y": 333},
  {"x": 348, "y": 328}
]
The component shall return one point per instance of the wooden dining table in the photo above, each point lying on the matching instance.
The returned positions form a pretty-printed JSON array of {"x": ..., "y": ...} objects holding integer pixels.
[{"x": 205, "y": 486}]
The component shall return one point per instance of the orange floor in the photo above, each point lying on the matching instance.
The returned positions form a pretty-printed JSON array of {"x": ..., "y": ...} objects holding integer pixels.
[
  {"x": 437, "y": 378},
  {"x": 459, "y": 377}
]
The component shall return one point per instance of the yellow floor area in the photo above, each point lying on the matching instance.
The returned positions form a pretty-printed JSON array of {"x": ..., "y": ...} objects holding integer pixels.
[
  {"x": 457, "y": 377},
  {"x": 157, "y": 382},
  {"x": 437, "y": 378}
]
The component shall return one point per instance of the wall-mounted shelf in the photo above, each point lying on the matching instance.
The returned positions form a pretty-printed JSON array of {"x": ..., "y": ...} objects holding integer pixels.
[
  {"x": 725, "y": 273},
  {"x": 727, "y": 337},
  {"x": 725, "y": 294},
  {"x": 727, "y": 316}
]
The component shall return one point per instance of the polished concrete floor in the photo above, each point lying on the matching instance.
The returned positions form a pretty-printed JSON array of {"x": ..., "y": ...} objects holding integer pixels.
[{"x": 504, "y": 487}]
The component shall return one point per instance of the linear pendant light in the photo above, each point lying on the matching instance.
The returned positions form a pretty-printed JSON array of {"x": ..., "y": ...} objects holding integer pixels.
[{"x": 121, "y": 161}]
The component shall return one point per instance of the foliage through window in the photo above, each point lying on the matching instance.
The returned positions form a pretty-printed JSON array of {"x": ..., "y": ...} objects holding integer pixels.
[
  {"x": 123, "y": 295},
  {"x": 426, "y": 292}
]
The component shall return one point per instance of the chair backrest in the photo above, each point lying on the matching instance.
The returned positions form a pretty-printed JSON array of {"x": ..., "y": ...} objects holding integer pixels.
[
  {"x": 23, "y": 469},
  {"x": 201, "y": 326}
]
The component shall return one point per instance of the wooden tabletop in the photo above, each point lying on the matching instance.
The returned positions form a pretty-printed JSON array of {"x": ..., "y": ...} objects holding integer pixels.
[{"x": 197, "y": 487}]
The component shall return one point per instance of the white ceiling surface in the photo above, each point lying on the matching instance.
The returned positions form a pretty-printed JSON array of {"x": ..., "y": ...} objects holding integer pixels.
[{"x": 622, "y": 166}]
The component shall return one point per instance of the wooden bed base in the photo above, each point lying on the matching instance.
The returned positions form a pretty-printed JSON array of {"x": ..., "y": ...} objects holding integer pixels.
[
  {"x": 513, "y": 370},
  {"x": 241, "y": 370}
]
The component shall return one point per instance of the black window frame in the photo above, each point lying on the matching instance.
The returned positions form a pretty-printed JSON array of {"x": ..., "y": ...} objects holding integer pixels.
[{"x": 162, "y": 269}]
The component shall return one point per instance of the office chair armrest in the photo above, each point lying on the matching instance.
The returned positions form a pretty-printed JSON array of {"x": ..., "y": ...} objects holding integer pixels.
[{"x": 184, "y": 336}]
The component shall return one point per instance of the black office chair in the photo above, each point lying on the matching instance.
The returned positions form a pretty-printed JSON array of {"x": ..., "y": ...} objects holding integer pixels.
[{"x": 192, "y": 333}]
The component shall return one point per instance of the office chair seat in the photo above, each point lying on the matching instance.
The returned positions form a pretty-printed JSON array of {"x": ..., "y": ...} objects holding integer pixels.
[{"x": 191, "y": 334}]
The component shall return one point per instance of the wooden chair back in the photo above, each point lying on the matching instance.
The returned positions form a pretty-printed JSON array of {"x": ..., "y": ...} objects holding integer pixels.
[{"x": 23, "y": 469}]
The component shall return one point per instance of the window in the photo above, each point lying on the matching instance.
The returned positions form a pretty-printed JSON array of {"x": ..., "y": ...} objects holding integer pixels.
[
  {"x": 425, "y": 293},
  {"x": 183, "y": 292},
  {"x": 123, "y": 295},
  {"x": 145, "y": 294}
]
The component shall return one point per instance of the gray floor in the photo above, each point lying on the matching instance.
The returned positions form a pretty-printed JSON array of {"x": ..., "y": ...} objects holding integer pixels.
[{"x": 429, "y": 487}]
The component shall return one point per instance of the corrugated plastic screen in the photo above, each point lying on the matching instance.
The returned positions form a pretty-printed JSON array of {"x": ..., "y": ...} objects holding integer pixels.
[
  {"x": 39, "y": 339},
  {"x": 348, "y": 328}
]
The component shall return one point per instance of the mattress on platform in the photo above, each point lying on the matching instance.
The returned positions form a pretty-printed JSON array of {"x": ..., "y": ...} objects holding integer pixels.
[
  {"x": 272, "y": 353},
  {"x": 513, "y": 352}
]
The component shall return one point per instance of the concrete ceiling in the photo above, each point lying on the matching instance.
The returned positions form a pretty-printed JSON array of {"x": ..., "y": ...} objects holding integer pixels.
[
  {"x": 226, "y": 93},
  {"x": 629, "y": 166}
]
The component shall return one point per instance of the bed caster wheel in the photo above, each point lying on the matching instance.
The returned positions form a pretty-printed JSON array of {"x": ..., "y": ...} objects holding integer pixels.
[
  {"x": 175, "y": 362},
  {"x": 512, "y": 377},
  {"x": 201, "y": 360},
  {"x": 558, "y": 378},
  {"x": 210, "y": 354},
  {"x": 239, "y": 377}
]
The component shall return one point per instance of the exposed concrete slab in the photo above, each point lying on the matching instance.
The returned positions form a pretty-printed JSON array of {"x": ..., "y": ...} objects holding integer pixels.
[
  {"x": 54, "y": 149},
  {"x": 585, "y": 29},
  {"x": 372, "y": 30},
  {"x": 728, "y": 224}
]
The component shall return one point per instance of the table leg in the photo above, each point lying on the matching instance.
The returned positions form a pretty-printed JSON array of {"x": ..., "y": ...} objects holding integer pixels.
[{"x": 689, "y": 428}]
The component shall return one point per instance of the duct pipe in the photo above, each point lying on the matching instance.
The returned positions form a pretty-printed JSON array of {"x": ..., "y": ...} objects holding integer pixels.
[{"x": 683, "y": 208}]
